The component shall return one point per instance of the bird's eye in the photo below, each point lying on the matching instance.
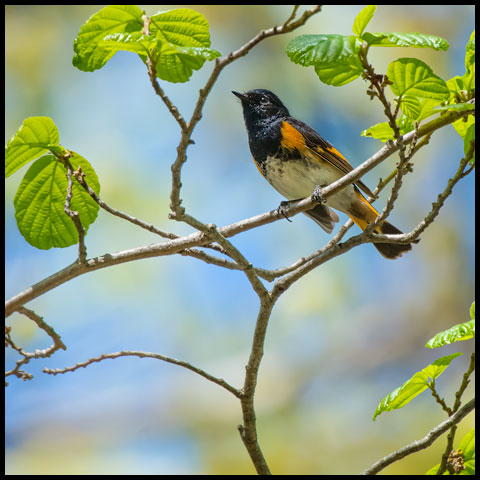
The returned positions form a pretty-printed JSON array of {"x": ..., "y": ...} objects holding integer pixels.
[{"x": 264, "y": 101}]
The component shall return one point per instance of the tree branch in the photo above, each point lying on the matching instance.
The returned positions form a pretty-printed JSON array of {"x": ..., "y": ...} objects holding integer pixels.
[
  {"x": 82, "y": 249},
  {"x": 423, "y": 443},
  {"x": 164, "y": 358},
  {"x": 220, "y": 64},
  {"x": 199, "y": 239},
  {"x": 27, "y": 356}
]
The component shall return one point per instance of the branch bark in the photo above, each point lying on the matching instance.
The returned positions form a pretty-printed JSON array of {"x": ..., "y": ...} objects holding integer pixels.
[
  {"x": 197, "y": 239},
  {"x": 424, "y": 442}
]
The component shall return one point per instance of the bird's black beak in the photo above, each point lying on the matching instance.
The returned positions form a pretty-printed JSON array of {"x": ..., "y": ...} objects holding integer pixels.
[{"x": 241, "y": 96}]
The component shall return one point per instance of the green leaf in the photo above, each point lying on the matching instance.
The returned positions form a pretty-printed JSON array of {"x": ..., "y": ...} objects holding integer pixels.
[
  {"x": 402, "y": 395},
  {"x": 462, "y": 127},
  {"x": 395, "y": 39},
  {"x": 363, "y": 19},
  {"x": 428, "y": 108},
  {"x": 31, "y": 141},
  {"x": 455, "y": 84},
  {"x": 383, "y": 132},
  {"x": 334, "y": 56},
  {"x": 469, "y": 80},
  {"x": 179, "y": 40},
  {"x": 135, "y": 42},
  {"x": 176, "y": 64},
  {"x": 462, "y": 331},
  {"x": 413, "y": 77},
  {"x": 341, "y": 73},
  {"x": 433, "y": 470},
  {"x": 414, "y": 386},
  {"x": 90, "y": 55},
  {"x": 182, "y": 27},
  {"x": 314, "y": 50},
  {"x": 467, "y": 446},
  {"x": 183, "y": 43},
  {"x": 380, "y": 131},
  {"x": 470, "y": 53},
  {"x": 470, "y": 137},
  {"x": 417, "y": 108},
  {"x": 467, "y": 449},
  {"x": 40, "y": 200},
  {"x": 458, "y": 107},
  {"x": 472, "y": 311},
  {"x": 438, "y": 366}
]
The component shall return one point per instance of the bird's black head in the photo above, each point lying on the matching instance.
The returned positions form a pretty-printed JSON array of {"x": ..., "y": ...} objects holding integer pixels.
[{"x": 260, "y": 105}]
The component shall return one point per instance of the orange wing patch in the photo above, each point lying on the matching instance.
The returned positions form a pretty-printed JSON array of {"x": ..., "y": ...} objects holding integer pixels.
[
  {"x": 291, "y": 137},
  {"x": 336, "y": 152}
]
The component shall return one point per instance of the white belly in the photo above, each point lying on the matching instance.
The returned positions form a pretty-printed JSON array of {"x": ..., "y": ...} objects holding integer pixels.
[{"x": 295, "y": 179}]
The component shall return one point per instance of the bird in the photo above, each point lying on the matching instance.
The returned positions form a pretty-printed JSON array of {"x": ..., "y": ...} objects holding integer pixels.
[{"x": 295, "y": 160}]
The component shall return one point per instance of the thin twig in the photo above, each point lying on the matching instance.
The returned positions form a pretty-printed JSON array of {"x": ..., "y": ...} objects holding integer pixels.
[
  {"x": 220, "y": 64},
  {"x": 74, "y": 215},
  {"x": 27, "y": 356},
  {"x": 451, "y": 436},
  {"x": 197, "y": 239},
  {"x": 164, "y": 358},
  {"x": 423, "y": 443},
  {"x": 327, "y": 254}
]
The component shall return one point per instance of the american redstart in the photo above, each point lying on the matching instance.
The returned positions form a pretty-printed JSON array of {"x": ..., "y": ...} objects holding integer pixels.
[{"x": 294, "y": 159}]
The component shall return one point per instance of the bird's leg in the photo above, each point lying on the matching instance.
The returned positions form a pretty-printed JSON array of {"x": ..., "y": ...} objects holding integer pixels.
[
  {"x": 317, "y": 194},
  {"x": 283, "y": 207}
]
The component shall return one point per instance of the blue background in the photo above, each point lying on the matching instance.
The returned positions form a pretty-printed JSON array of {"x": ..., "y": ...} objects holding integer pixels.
[{"x": 338, "y": 341}]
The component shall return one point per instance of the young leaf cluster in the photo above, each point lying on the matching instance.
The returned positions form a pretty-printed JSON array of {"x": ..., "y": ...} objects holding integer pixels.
[
  {"x": 425, "y": 378},
  {"x": 40, "y": 199},
  {"x": 419, "y": 92},
  {"x": 177, "y": 42}
]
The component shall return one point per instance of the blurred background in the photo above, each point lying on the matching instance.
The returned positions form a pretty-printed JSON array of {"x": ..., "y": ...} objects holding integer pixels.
[{"x": 339, "y": 340}]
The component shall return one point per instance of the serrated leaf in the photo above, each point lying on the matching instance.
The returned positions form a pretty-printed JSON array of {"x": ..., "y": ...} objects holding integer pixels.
[
  {"x": 469, "y": 137},
  {"x": 467, "y": 446},
  {"x": 469, "y": 78},
  {"x": 383, "y": 132},
  {"x": 333, "y": 56},
  {"x": 462, "y": 331},
  {"x": 318, "y": 50},
  {"x": 176, "y": 64},
  {"x": 418, "y": 108},
  {"x": 183, "y": 43},
  {"x": 90, "y": 55},
  {"x": 182, "y": 27},
  {"x": 414, "y": 386},
  {"x": 438, "y": 366},
  {"x": 135, "y": 42},
  {"x": 40, "y": 200},
  {"x": 411, "y": 106},
  {"x": 30, "y": 141},
  {"x": 396, "y": 39},
  {"x": 340, "y": 73},
  {"x": 413, "y": 77},
  {"x": 363, "y": 19},
  {"x": 403, "y": 394},
  {"x": 380, "y": 131},
  {"x": 470, "y": 53},
  {"x": 458, "y": 107},
  {"x": 455, "y": 84}
]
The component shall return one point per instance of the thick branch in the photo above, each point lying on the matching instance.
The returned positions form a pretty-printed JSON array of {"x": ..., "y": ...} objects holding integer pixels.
[{"x": 199, "y": 239}]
